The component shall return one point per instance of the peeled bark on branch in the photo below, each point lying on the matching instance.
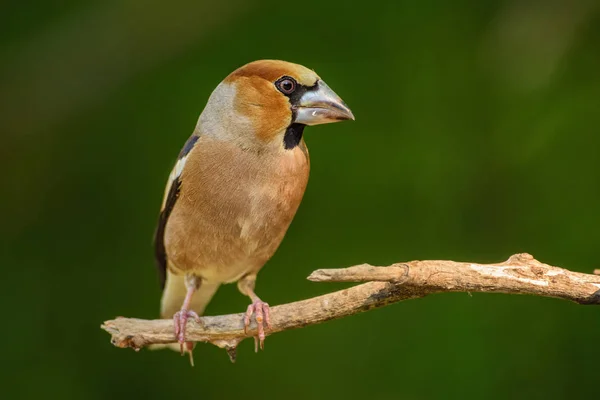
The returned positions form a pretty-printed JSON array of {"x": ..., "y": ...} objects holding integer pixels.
[{"x": 520, "y": 274}]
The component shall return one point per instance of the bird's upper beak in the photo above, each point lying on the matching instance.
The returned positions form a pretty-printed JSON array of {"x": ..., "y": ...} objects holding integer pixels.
[{"x": 321, "y": 106}]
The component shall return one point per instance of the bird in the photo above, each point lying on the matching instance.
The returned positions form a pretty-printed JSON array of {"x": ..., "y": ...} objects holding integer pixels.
[{"x": 236, "y": 186}]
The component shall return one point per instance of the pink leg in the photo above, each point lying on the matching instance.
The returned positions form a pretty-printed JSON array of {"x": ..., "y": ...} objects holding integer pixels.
[
  {"x": 261, "y": 312},
  {"x": 259, "y": 308},
  {"x": 181, "y": 317}
]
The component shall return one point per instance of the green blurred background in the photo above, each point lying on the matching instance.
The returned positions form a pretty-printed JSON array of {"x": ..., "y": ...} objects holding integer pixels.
[{"x": 476, "y": 137}]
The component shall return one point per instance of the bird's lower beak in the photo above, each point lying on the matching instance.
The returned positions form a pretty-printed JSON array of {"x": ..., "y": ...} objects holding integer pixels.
[{"x": 321, "y": 106}]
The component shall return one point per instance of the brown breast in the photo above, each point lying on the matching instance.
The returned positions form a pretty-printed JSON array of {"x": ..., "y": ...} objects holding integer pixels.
[{"x": 233, "y": 209}]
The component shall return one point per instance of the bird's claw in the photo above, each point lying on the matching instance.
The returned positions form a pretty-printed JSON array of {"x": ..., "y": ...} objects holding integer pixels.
[
  {"x": 180, "y": 319},
  {"x": 261, "y": 312}
]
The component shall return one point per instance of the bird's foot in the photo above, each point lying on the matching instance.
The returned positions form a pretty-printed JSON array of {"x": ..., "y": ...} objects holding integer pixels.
[
  {"x": 180, "y": 322},
  {"x": 261, "y": 312}
]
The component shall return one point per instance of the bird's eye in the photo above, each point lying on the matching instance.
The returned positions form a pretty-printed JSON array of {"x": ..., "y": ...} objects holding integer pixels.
[{"x": 286, "y": 85}]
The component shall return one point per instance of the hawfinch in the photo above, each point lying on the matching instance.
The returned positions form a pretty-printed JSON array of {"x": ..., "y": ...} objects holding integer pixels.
[{"x": 236, "y": 186}]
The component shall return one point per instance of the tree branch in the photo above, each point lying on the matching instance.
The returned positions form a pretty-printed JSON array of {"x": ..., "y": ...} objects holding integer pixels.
[{"x": 520, "y": 274}]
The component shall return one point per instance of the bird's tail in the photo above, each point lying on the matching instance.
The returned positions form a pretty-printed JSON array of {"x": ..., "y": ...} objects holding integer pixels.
[{"x": 172, "y": 299}]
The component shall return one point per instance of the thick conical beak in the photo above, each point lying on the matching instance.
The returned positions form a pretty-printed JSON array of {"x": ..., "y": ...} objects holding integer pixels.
[{"x": 321, "y": 106}]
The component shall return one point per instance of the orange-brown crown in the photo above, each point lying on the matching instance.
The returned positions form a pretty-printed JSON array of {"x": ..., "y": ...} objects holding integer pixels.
[{"x": 271, "y": 70}]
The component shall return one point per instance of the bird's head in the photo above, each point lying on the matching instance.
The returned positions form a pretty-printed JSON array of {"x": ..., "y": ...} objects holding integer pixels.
[{"x": 268, "y": 103}]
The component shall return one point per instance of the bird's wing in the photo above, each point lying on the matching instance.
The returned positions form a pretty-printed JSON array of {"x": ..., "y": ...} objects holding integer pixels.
[{"x": 170, "y": 198}]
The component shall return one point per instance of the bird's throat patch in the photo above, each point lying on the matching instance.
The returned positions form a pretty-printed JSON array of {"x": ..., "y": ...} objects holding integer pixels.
[{"x": 293, "y": 135}]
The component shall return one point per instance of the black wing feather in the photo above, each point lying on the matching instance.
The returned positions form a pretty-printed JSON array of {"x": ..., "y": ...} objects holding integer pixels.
[{"x": 160, "y": 252}]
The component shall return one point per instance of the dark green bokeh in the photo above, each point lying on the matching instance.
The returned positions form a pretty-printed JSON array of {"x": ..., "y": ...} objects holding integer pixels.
[{"x": 476, "y": 137}]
